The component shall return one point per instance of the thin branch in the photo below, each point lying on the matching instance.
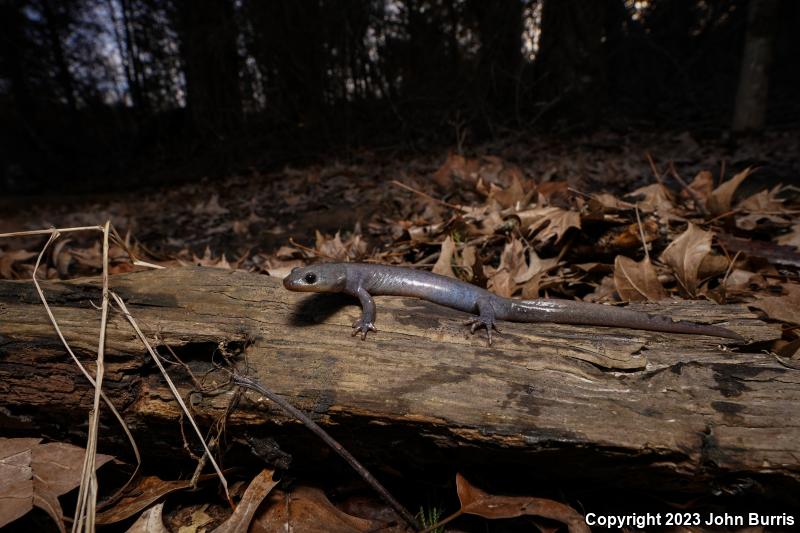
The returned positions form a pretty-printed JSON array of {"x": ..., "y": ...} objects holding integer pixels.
[
  {"x": 656, "y": 173},
  {"x": 124, "y": 245},
  {"x": 698, "y": 200},
  {"x": 174, "y": 390},
  {"x": 86, "y": 507},
  {"x": 50, "y": 231},
  {"x": 54, "y": 234},
  {"x": 309, "y": 250},
  {"x": 246, "y": 382},
  {"x": 641, "y": 234},
  {"x": 426, "y": 195}
]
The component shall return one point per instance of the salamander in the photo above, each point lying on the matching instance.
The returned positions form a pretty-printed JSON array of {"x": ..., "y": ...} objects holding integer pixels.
[{"x": 364, "y": 281}]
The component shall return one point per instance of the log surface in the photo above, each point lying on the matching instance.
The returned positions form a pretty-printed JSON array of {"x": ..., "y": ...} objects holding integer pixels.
[{"x": 581, "y": 401}]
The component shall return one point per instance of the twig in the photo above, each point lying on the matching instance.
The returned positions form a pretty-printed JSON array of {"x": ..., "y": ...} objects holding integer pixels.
[
  {"x": 54, "y": 234},
  {"x": 246, "y": 382},
  {"x": 641, "y": 233},
  {"x": 174, "y": 390},
  {"x": 50, "y": 231},
  {"x": 124, "y": 245},
  {"x": 426, "y": 195},
  {"x": 698, "y": 200},
  {"x": 307, "y": 249},
  {"x": 656, "y": 173},
  {"x": 723, "y": 215},
  {"x": 728, "y": 271},
  {"x": 86, "y": 506}
]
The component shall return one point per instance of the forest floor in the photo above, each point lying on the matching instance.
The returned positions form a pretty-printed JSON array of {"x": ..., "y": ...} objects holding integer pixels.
[
  {"x": 247, "y": 214},
  {"x": 606, "y": 217}
]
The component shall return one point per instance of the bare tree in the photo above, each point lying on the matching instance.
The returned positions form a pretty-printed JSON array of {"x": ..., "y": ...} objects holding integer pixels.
[{"x": 751, "y": 96}]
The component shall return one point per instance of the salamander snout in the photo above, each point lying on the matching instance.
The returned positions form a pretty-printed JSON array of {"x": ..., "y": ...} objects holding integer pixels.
[{"x": 315, "y": 278}]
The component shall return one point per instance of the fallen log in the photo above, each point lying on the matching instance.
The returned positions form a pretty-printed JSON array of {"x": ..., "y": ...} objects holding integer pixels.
[{"x": 576, "y": 402}]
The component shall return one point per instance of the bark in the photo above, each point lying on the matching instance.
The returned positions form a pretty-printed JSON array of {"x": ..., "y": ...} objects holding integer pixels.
[
  {"x": 751, "y": 96},
  {"x": 580, "y": 403}
]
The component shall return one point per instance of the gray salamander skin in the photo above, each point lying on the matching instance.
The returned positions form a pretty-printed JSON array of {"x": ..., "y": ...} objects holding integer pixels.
[{"x": 364, "y": 280}]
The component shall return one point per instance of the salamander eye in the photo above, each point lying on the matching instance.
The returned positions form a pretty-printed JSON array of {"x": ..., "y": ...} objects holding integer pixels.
[{"x": 310, "y": 278}]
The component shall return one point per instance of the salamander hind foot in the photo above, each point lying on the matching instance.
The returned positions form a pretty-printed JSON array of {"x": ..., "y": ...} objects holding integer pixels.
[
  {"x": 484, "y": 320},
  {"x": 363, "y": 326}
]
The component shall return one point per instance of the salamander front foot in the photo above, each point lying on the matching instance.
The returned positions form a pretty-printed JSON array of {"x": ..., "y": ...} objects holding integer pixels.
[{"x": 363, "y": 326}]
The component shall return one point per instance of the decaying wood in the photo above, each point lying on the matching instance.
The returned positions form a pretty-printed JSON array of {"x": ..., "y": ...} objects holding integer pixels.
[{"x": 576, "y": 402}]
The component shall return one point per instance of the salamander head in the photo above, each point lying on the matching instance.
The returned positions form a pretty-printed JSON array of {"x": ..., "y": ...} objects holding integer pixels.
[{"x": 330, "y": 277}]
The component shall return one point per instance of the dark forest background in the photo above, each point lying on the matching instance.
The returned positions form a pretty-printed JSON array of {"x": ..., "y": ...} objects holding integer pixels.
[{"x": 122, "y": 93}]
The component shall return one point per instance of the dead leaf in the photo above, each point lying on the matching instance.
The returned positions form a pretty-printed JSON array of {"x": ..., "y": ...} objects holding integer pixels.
[
  {"x": 485, "y": 219},
  {"x": 208, "y": 260},
  {"x": 424, "y": 233},
  {"x": 456, "y": 166},
  {"x": 765, "y": 205},
  {"x": 790, "y": 239},
  {"x": 536, "y": 265},
  {"x": 743, "y": 280},
  {"x": 513, "y": 269},
  {"x": 91, "y": 257},
  {"x": 637, "y": 281},
  {"x": 147, "y": 490},
  {"x": 608, "y": 202},
  {"x": 57, "y": 466},
  {"x": 554, "y": 220},
  {"x": 9, "y": 258},
  {"x": 702, "y": 185},
  {"x": 370, "y": 507},
  {"x": 774, "y": 253},
  {"x": 789, "y": 350},
  {"x": 444, "y": 264},
  {"x": 34, "y": 474},
  {"x": 765, "y": 201},
  {"x": 199, "y": 519},
  {"x": 501, "y": 283},
  {"x": 280, "y": 269},
  {"x": 308, "y": 510},
  {"x": 530, "y": 289},
  {"x": 551, "y": 189},
  {"x": 604, "y": 292},
  {"x": 631, "y": 236},
  {"x": 785, "y": 308},
  {"x": 469, "y": 257},
  {"x": 713, "y": 265},
  {"x": 62, "y": 258},
  {"x": 210, "y": 207},
  {"x": 655, "y": 199},
  {"x": 685, "y": 254},
  {"x": 477, "y": 502},
  {"x": 151, "y": 521},
  {"x": 258, "y": 489},
  {"x": 288, "y": 252},
  {"x": 510, "y": 196},
  {"x": 16, "y": 478},
  {"x": 721, "y": 198},
  {"x": 334, "y": 248},
  {"x": 241, "y": 227}
]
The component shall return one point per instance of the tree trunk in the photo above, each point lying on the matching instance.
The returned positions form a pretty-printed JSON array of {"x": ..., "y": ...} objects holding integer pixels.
[
  {"x": 575, "y": 402},
  {"x": 54, "y": 25},
  {"x": 751, "y": 96},
  {"x": 500, "y": 31},
  {"x": 570, "y": 64},
  {"x": 208, "y": 47}
]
